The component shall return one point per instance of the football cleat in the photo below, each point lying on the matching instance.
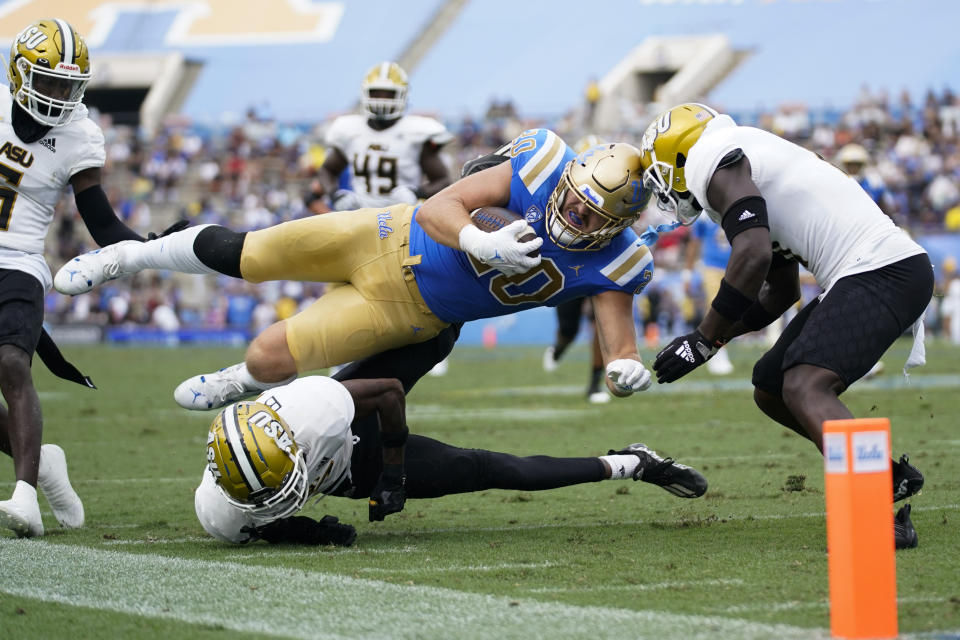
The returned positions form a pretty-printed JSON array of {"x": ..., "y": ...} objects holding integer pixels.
[
  {"x": 55, "y": 484},
  {"x": 679, "y": 479},
  {"x": 907, "y": 479},
  {"x": 214, "y": 390},
  {"x": 92, "y": 269},
  {"x": 549, "y": 360},
  {"x": 905, "y": 536},
  {"x": 23, "y": 519}
]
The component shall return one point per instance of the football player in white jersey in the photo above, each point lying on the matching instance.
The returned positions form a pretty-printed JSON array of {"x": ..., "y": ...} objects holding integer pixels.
[
  {"x": 46, "y": 142},
  {"x": 781, "y": 205},
  {"x": 391, "y": 157},
  {"x": 317, "y": 436}
]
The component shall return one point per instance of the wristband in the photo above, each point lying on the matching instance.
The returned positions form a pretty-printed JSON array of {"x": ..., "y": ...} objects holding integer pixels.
[{"x": 730, "y": 302}]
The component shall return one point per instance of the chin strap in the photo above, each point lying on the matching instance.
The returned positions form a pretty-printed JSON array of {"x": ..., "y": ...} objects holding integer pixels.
[{"x": 652, "y": 234}]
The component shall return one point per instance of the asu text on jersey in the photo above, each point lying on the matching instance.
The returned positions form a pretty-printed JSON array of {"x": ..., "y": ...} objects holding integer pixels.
[
  {"x": 458, "y": 288},
  {"x": 32, "y": 178}
]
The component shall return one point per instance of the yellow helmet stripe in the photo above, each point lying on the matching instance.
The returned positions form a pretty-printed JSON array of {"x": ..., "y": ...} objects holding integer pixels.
[
  {"x": 231, "y": 427},
  {"x": 628, "y": 264},
  {"x": 66, "y": 38}
]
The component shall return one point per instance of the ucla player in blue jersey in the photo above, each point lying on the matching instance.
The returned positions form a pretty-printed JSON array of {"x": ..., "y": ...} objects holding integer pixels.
[{"x": 408, "y": 273}]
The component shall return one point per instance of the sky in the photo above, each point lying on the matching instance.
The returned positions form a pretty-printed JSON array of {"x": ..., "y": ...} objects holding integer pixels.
[{"x": 538, "y": 53}]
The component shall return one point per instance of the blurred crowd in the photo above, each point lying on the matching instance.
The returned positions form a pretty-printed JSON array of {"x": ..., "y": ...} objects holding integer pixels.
[{"x": 260, "y": 172}]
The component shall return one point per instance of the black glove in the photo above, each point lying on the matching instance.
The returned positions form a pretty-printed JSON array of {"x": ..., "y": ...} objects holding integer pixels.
[
  {"x": 682, "y": 356},
  {"x": 304, "y": 530},
  {"x": 179, "y": 225},
  {"x": 389, "y": 494}
]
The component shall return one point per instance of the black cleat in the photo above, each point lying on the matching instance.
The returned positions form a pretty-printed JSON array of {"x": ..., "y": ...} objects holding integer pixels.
[
  {"x": 679, "y": 479},
  {"x": 907, "y": 479},
  {"x": 904, "y": 535}
]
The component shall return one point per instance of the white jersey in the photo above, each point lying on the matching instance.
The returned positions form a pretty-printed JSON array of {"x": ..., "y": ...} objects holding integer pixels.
[
  {"x": 381, "y": 160},
  {"x": 32, "y": 178},
  {"x": 817, "y": 213},
  {"x": 318, "y": 411}
]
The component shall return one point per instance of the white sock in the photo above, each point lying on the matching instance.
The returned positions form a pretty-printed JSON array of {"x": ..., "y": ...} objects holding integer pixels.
[
  {"x": 24, "y": 493},
  {"x": 173, "y": 252},
  {"x": 621, "y": 466},
  {"x": 244, "y": 376}
]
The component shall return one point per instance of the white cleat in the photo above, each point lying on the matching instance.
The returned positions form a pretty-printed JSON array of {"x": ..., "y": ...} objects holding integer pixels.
[
  {"x": 441, "y": 368},
  {"x": 549, "y": 361},
  {"x": 220, "y": 388},
  {"x": 55, "y": 484},
  {"x": 719, "y": 364},
  {"x": 23, "y": 519},
  {"x": 89, "y": 270},
  {"x": 599, "y": 397}
]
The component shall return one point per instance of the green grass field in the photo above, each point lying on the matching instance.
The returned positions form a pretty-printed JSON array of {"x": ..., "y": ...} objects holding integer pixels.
[{"x": 610, "y": 559}]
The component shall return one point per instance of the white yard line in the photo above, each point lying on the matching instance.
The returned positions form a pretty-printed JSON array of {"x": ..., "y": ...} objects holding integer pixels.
[
  {"x": 328, "y": 606},
  {"x": 656, "y": 586},
  {"x": 459, "y": 568}
]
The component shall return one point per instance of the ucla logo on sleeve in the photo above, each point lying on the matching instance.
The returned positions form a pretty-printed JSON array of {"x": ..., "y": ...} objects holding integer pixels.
[{"x": 533, "y": 214}]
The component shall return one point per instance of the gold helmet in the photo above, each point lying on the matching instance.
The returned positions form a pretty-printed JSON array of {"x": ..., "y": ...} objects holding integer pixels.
[
  {"x": 665, "y": 146},
  {"x": 608, "y": 179},
  {"x": 49, "y": 70},
  {"x": 255, "y": 461},
  {"x": 384, "y": 91}
]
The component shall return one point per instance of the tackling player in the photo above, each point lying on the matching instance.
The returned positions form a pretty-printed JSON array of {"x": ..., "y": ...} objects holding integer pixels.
[
  {"x": 781, "y": 205},
  {"x": 386, "y": 153},
  {"x": 317, "y": 436},
  {"x": 410, "y": 272},
  {"x": 46, "y": 142}
]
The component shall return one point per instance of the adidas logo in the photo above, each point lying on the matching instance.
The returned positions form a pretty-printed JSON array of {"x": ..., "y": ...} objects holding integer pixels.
[
  {"x": 686, "y": 353},
  {"x": 50, "y": 143},
  {"x": 746, "y": 215}
]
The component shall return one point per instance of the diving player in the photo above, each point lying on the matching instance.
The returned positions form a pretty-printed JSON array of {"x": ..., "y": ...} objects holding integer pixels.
[
  {"x": 390, "y": 157},
  {"x": 410, "y": 272}
]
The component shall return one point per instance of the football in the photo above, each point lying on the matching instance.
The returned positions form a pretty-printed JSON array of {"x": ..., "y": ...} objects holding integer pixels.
[{"x": 493, "y": 218}]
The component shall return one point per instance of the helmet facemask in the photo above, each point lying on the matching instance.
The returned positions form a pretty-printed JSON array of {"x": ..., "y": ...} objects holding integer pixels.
[
  {"x": 384, "y": 92},
  {"x": 50, "y": 96},
  {"x": 677, "y": 206}
]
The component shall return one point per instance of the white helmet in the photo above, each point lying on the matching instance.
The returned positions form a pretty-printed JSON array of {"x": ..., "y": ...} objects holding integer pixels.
[{"x": 384, "y": 91}]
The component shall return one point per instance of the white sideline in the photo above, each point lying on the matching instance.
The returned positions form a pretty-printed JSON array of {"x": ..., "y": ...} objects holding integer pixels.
[{"x": 328, "y": 606}]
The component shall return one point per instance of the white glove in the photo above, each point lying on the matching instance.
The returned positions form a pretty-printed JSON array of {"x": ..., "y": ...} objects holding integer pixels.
[
  {"x": 628, "y": 375},
  {"x": 500, "y": 249},
  {"x": 404, "y": 194}
]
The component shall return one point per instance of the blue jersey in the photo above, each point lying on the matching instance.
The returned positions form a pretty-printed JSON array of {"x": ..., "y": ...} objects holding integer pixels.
[
  {"x": 458, "y": 288},
  {"x": 714, "y": 248}
]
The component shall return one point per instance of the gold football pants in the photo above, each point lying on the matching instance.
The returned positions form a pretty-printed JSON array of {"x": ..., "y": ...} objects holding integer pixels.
[{"x": 376, "y": 307}]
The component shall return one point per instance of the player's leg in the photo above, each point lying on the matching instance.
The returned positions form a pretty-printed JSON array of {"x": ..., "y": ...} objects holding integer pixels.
[
  {"x": 568, "y": 324},
  {"x": 21, "y": 320}
]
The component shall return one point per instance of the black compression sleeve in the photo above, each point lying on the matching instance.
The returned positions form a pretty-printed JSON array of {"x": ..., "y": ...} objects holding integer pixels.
[
  {"x": 745, "y": 213},
  {"x": 104, "y": 225}
]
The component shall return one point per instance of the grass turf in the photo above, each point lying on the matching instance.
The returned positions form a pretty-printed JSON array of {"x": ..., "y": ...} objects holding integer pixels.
[{"x": 752, "y": 549}]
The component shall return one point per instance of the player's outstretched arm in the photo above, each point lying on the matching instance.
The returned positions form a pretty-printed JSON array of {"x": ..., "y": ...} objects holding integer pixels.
[
  {"x": 385, "y": 397},
  {"x": 618, "y": 343},
  {"x": 445, "y": 214},
  {"x": 95, "y": 210}
]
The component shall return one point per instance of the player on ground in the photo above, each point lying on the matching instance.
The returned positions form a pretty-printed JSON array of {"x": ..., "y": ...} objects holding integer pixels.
[
  {"x": 319, "y": 436},
  {"x": 47, "y": 143},
  {"x": 390, "y": 157},
  {"x": 410, "y": 272},
  {"x": 781, "y": 205}
]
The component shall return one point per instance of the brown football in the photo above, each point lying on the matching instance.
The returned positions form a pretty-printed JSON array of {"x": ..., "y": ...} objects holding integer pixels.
[{"x": 493, "y": 218}]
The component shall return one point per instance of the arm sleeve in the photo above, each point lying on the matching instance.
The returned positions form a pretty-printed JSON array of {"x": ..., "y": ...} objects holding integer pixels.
[{"x": 103, "y": 224}]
